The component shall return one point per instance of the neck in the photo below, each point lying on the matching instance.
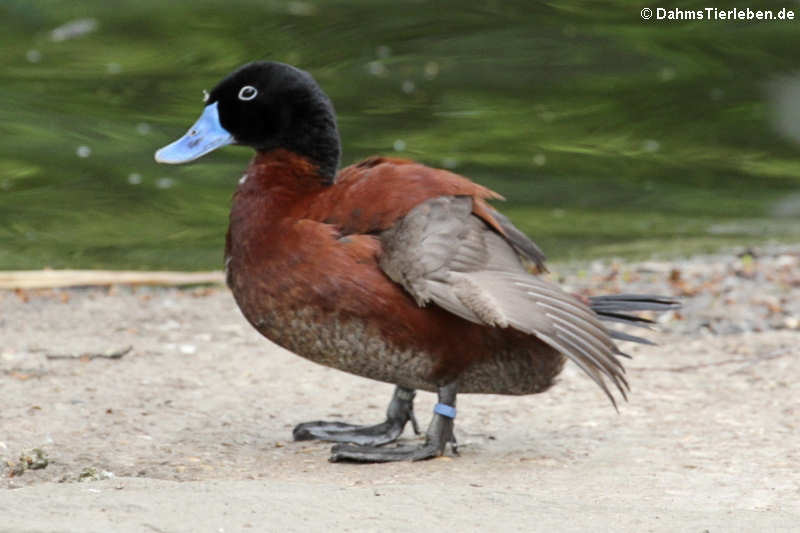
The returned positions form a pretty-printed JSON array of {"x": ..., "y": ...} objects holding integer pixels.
[
  {"x": 316, "y": 136},
  {"x": 283, "y": 172},
  {"x": 275, "y": 182}
]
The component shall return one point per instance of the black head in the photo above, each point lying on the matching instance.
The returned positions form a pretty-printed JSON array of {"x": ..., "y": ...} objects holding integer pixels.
[{"x": 268, "y": 105}]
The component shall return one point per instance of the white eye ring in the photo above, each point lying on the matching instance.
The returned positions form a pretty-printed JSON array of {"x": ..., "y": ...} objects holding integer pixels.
[
  {"x": 205, "y": 96},
  {"x": 248, "y": 92}
]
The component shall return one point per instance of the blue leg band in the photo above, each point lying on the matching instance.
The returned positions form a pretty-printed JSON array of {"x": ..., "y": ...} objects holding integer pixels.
[{"x": 444, "y": 410}]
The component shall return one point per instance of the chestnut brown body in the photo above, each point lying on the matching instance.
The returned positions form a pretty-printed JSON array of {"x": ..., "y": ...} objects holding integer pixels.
[{"x": 302, "y": 260}]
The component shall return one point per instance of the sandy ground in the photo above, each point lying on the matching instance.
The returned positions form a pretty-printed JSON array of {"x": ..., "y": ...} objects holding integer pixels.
[{"x": 190, "y": 430}]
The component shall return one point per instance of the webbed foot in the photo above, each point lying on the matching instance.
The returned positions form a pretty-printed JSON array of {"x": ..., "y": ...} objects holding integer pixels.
[
  {"x": 399, "y": 412},
  {"x": 439, "y": 433}
]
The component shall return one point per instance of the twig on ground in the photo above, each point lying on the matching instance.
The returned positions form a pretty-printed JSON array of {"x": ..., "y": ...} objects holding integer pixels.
[
  {"x": 766, "y": 357},
  {"x": 42, "y": 279},
  {"x": 116, "y": 354},
  {"x": 749, "y": 361}
]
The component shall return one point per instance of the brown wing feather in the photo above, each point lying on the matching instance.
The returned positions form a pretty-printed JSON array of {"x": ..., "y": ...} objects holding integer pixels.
[{"x": 441, "y": 253}]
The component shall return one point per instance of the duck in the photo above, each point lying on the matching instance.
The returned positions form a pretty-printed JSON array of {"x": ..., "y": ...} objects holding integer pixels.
[{"x": 390, "y": 269}]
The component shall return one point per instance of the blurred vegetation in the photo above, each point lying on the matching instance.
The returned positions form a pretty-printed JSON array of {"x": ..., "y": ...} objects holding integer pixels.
[{"x": 608, "y": 135}]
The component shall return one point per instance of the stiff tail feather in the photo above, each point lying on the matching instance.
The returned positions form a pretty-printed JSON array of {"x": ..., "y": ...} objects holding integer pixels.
[{"x": 617, "y": 308}]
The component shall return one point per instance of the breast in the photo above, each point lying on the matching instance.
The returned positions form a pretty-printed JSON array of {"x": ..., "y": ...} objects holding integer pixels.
[{"x": 348, "y": 343}]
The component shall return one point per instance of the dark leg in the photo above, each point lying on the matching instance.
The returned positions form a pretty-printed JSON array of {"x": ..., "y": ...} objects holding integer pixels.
[
  {"x": 400, "y": 411},
  {"x": 439, "y": 433}
]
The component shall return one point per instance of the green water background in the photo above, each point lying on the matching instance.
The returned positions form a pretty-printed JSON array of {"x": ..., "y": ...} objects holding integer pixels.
[{"x": 609, "y": 135}]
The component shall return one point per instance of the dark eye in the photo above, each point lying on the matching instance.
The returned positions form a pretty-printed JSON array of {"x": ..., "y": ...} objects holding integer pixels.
[{"x": 248, "y": 92}]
